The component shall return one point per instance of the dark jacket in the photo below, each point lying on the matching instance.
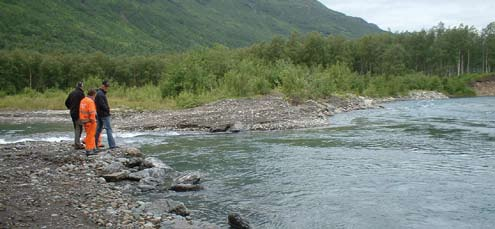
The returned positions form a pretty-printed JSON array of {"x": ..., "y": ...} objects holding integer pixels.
[
  {"x": 102, "y": 108},
  {"x": 73, "y": 100}
]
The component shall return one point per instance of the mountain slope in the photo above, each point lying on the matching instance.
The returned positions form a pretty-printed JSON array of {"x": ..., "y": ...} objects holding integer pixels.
[{"x": 150, "y": 26}]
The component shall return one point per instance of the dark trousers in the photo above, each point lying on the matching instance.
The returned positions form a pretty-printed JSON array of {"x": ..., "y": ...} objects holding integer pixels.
[{"x": 77, "y": 130}]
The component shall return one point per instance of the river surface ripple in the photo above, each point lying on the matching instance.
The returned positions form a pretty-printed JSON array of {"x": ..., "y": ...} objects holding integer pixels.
[{"x": 413, "y": 164}]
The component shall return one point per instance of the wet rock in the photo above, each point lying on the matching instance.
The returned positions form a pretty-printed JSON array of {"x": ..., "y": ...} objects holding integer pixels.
[
  {"x": 158, "y": 173},
  {"x": 186, "y": 187},
  {"x": 220, "y": 128},
  {"x": 150, "y": 183},
  {"x": 153, "y": 162},
  {"x": 118, "y": 176},
  {"x": 158, "y": 207},
  {"x": 192, "y": 178},
  {"x": 237, "y": 222}
]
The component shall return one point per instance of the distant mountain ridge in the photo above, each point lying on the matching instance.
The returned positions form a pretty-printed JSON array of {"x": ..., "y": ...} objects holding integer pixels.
[{"x": 152, "y": 26}]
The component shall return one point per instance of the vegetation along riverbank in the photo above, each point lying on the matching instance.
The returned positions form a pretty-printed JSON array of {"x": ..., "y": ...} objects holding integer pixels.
[{"x": 300, "y": 67}]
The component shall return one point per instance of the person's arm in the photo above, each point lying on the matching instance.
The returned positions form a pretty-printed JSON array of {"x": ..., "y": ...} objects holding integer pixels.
[
  {"x": 101, "y": 103},
  {"x": 68, "y": 102}
]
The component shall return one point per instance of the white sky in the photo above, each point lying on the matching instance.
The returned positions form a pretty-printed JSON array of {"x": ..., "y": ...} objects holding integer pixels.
[{"x": 402, "y": 15}]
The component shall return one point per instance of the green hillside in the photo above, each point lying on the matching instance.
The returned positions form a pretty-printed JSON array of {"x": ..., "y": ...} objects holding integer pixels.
[{"x": 152, "y": 26}]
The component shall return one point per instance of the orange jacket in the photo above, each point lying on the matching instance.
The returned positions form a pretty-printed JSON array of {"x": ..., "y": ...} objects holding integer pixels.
[{"x": 87, "y": 110}]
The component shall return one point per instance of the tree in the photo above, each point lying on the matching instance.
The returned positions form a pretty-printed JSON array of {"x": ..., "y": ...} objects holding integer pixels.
[{"x": 488, "y": 39}]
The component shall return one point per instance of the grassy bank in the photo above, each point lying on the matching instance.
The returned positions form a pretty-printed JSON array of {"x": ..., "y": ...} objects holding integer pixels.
[{"x": 297, "y": 84}]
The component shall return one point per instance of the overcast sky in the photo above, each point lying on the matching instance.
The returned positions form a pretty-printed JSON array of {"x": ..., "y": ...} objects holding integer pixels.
[{"x": 414, "y": 15}]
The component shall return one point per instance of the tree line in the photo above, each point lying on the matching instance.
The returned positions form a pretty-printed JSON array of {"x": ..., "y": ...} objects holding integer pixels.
[
  {"x": 301, "y": 66},
  {"x": 438, "y": 51}
]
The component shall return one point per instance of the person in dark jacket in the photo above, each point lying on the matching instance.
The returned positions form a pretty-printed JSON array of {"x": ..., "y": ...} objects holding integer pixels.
[
  {"x": 72, "y": 103},
  {"x": 103, "y": 112}
]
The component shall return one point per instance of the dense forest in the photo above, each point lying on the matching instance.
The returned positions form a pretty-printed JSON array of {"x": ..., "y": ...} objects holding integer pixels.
[
  {"x": 157, "y": 26},
  {"x": 300, "y": 66}
]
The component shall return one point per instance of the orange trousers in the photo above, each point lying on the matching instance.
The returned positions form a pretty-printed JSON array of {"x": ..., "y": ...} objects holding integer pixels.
[{"x": 89, "y": 140}]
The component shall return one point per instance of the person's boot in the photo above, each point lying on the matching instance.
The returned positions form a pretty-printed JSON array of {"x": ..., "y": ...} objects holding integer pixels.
[{"x": 91, "y": 152}]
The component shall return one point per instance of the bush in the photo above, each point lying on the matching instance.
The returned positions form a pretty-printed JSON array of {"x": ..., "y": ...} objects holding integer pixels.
[
  {"x": 294, "y": 81},
  {"x": 249, "y": 78},
  {"x": 187, "y": 100}
]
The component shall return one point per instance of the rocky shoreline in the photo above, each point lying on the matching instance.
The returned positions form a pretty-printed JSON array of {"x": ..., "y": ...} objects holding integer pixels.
[
  {"x": 50, "y": 185},
  {"x": 230, "y": 115}
]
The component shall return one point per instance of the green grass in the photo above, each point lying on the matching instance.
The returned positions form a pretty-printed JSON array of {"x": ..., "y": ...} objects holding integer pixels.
[{"x": 149, "y": 97}]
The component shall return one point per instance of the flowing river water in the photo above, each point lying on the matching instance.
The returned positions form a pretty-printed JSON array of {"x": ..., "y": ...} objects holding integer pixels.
[{"x": 413, "y": 164}]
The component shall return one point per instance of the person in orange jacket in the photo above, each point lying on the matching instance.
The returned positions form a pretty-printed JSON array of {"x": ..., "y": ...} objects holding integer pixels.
[{"x": 87, "y": 117}]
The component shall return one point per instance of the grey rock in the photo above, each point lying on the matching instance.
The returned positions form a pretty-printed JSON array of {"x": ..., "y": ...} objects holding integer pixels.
[
  {"x": 150, "y": 172},
  {"x": 153, "y": 162},
  {"x": 122, "y": 160},
  {"x": 101, "y": 180},
  {"x": 113, "y": 167},
  {"x": 134, "y": 162},
  {"x": 180, "y": 209},
  {"x": 220, "y": 128},
  {"x": 160, "y": 206},
  {"x": 150, "y": 181},
  {"x": 145, "y": 187},
  {"x": 237, "y": 127},
  {"x": 237, "y": 222},
  {"x": 118, "y": 176},
  {"x": 132, "y": 152},
  {"x": 192, "y": 178}
]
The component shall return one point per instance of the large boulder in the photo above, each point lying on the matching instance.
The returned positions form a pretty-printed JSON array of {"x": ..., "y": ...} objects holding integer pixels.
[{"x": 152, "y": 178}]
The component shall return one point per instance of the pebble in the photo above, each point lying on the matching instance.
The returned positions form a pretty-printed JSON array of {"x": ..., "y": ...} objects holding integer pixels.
[
  {"x": 107, "y": 205},
  {"x": 100, "y": 222}
]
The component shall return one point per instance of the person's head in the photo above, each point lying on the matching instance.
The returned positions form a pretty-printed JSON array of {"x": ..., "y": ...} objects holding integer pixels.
[
  {"x": 105, "y": 85},
  {"x": 79, "y": 84},
  {"x": 92, "y": 93}
]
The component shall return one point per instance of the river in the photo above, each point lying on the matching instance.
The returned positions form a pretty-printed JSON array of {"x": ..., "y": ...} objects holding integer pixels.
[{"x": 412, "y": 164}]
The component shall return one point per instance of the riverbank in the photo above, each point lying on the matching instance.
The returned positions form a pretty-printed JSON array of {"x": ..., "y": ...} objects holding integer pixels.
[
  {"x": 231, "y": 115},
  {"x": 68, "y": 189},
  {"x": 50, "y": 185},
  {"x": 484, "y": 86}
]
